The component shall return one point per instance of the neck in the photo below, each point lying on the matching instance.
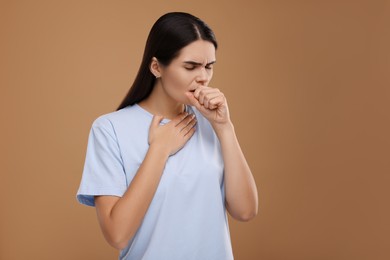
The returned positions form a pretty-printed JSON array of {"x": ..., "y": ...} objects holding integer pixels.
[{"x": 159, "y": 103}]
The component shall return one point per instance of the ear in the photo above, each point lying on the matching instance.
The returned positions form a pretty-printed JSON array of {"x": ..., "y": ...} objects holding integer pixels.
[{"x": 155, "y": 67}]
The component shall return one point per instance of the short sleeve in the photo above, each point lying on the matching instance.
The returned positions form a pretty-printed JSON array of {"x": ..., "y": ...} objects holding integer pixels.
[{"x": 103, "y": 172}]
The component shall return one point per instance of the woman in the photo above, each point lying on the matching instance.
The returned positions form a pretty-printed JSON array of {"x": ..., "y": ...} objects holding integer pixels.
[{"x": 162, "y": 169}]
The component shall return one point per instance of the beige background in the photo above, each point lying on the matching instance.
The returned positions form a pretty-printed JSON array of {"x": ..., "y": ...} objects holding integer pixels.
[{"x": 308, "y": 84}]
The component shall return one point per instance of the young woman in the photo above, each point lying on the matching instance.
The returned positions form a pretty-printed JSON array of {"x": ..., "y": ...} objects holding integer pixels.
[{"x": 163, "y": 169}]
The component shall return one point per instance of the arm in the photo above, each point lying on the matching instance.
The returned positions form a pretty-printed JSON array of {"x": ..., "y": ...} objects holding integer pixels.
[
  {"x": 240, "y": 187},
  {"x": 120, "y": 218}
]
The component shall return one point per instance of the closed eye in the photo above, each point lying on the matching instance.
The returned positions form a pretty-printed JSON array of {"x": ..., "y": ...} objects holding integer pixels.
[
  {"x": 192, "y": 68},
  {"x": 194, "y": 65}
]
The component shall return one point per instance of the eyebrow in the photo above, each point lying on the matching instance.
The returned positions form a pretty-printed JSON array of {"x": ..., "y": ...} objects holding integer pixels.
[{"x": 197, "y": 63}]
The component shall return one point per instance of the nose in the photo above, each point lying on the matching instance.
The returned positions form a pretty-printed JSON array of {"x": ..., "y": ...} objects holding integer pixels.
[{"x": 203, "y": 76}]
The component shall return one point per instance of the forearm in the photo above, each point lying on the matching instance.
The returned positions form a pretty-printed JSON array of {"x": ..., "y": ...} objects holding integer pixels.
[
  {"x": 240, "y": 187},
  {"x": 129, "y": 211}
]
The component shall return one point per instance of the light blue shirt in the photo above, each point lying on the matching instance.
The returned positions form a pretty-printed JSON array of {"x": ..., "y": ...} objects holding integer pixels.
[{"x": 187, "y": 217}]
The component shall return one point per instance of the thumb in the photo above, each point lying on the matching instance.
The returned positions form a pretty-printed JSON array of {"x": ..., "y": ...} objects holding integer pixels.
[{"x": 156, "y": 121}]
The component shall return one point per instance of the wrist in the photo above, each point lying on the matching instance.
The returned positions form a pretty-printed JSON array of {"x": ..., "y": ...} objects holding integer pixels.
[
  {"x": 161, "y": 150},
  {"x": 223, "y": 129}
]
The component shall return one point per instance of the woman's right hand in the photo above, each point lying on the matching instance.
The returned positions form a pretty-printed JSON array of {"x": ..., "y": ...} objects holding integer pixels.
[{"x": 172, "y": 136}]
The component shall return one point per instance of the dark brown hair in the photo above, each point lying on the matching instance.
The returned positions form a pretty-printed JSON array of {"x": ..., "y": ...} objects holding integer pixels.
[{"x": 169, "y": 34}]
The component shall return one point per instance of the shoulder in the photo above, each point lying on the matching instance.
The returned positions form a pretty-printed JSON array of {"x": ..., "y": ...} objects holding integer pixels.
[
  {"x": 110, "y": 119},
  {"x": 110, "y": 122}
]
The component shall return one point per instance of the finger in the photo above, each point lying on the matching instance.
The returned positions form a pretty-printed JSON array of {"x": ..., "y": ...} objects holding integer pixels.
[
  {"x": 190, "y": 129},
  {"x": 185, "y": 122},
  {"x": 209, "y": 97},
  {"x": 203, "y": 93},
  {"x": 190, "y": 134},
  {"x": 216, "y": 102},
  {"x": 198, "y": 90},
  {"x": 179, "y": 118}
]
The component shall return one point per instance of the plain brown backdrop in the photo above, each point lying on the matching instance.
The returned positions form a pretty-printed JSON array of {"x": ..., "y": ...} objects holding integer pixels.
[{"x": 308, "y": 86}]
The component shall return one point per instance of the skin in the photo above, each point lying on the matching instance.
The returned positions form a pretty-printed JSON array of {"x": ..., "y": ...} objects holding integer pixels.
[{"x": 184, "y": 81}]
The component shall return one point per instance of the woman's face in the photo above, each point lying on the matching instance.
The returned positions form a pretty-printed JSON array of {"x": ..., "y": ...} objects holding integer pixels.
[{"x": 191, "y": 69}]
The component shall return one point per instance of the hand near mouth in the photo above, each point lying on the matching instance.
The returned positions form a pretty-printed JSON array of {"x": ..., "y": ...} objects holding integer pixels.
[{"x": 211, "y": 102}]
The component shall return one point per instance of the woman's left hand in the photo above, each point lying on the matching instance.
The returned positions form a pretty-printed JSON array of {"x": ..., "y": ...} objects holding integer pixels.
[{"x": 211, "y": 102}]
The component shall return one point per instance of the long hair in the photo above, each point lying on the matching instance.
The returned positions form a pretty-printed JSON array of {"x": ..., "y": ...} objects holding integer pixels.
[{"x": 169, "y": 34}]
